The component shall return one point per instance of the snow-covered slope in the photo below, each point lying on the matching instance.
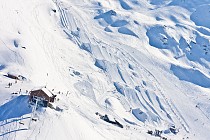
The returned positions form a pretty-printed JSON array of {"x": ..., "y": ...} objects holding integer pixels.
[{"x": 143, "y": 62}]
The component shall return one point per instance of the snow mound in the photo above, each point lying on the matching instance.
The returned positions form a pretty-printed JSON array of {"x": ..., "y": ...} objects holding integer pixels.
[{"x": 191, "y": 75}]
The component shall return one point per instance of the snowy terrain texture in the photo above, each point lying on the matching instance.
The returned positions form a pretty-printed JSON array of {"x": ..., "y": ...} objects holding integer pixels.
[{"x": 145, "y": 63}]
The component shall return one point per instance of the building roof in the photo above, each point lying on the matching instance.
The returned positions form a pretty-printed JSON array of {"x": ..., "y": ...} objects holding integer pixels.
[{"x": 45, "y": 90}]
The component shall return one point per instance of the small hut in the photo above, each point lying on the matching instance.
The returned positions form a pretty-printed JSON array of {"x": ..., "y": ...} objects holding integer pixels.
[
  {"x": 15, "y": 76},
  {"x": 44, "y": 94},
  {"x": 12, "y": 76}
]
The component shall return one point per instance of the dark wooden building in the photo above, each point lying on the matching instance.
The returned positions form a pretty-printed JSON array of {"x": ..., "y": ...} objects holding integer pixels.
[{"x": 44, "y": 94}]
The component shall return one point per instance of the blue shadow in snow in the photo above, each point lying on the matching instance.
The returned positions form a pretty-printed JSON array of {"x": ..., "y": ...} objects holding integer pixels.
[
  {"x": 2, "y": 67},
  {"x": 130, "y": 122},
  {"x": 124, "y": 5},
  {"x": 126, "y": 31},
  {"x": 107, "y": 16},
  {"x": 15, "y": 108},
  {"x": 191, "y": 75}
]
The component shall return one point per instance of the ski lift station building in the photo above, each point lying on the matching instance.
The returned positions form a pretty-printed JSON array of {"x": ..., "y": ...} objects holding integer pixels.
[{"x": 44, "y": 94}]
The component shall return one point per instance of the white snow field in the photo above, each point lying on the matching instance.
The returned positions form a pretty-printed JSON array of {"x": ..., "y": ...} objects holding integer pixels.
[{"x": 145, "y": 63}]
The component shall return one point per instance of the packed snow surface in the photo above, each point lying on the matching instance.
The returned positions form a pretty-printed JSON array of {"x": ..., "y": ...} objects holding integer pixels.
[{"x": 144, "y": 63}]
